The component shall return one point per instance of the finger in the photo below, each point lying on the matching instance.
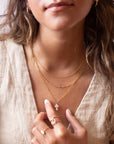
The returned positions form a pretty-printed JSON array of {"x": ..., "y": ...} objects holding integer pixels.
[
  {"x": 38, "y": 136},
  {"x": 34, "y": 141},
  {"x": 40, "y": 123},
  {"x": 41, "y": 116},
  {"x": 52, "y": 115},
  {"x": 77, "y": 127}
]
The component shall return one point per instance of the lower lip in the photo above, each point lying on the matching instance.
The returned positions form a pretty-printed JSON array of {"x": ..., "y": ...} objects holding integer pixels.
[{"x": 58, "y": 8}]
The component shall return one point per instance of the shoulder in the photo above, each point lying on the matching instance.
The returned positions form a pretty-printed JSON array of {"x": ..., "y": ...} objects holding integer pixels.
[
  {"x": 105, "y": 83},
  {"x": 8, "y": 44},
  {"x": 8, "y": 47},
  {"x": 8, "y": 51},
  {"x": 3, "y": 57}
]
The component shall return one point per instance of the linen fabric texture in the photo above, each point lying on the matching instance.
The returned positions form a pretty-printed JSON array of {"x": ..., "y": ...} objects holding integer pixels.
[{"x": 17, "y": 103}]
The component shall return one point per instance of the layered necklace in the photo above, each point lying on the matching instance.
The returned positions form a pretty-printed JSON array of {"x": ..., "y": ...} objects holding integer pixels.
[{"x": 78, "y": 72}]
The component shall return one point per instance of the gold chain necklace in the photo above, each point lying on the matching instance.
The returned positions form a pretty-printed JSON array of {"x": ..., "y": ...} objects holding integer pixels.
[
  {"x": 55, "y": 85},
  {"x": 66, "y": 92},
  {"x": 61, "y": 77}
]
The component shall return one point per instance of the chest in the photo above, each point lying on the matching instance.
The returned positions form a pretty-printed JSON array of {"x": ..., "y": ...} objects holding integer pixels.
[
  {"x": 18, "y": 108},
  {"x": 64, "y": 98}
]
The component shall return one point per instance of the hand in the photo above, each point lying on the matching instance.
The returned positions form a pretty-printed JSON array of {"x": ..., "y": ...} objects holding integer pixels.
[{"x": 59, "y": 134}]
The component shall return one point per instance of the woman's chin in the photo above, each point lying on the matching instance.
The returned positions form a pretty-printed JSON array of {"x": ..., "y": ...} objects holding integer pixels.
[{"x": 60, "y": 26}]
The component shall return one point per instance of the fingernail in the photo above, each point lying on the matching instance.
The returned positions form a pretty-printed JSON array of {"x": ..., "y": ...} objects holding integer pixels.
[
  {"x": 68, "y": 111},
  {"x": 46, "y": 101}
]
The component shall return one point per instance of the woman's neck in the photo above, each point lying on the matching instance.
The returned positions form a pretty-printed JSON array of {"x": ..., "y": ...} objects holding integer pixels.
[{"x": 60, "y": 49}]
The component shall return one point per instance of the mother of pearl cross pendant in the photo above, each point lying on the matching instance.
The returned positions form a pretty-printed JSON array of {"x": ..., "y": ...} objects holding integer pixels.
[{"x": 56, "y": 107}]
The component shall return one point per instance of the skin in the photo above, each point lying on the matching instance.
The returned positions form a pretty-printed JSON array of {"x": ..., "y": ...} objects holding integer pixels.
[
  {"x": 58, "y": 134},
  {"x": 60, "y": 33}
]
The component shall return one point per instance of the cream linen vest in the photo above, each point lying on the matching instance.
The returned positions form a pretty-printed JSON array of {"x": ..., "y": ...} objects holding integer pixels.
[{"x": 17, "y": 104}]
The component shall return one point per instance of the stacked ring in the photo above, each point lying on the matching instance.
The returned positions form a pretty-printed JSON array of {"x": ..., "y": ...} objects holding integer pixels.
[
  {"x": 43, "y": 132},
  {"x": 54, "y": 121}
]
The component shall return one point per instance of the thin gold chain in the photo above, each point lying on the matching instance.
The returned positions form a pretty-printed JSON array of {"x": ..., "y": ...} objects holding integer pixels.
[
  {"x": 68, "y": 89},
  {"x": 66, "y": 92},
  {"x": 53, "y": 84},
  {"x": 61, "y": 77}
]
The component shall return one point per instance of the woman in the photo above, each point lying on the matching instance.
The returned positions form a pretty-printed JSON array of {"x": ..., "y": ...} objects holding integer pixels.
[{"x": 57, "y": 55}]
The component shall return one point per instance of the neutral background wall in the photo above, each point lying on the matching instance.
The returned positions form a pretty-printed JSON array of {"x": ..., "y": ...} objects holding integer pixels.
[
  {"x": 3, "y": 8},
  {"x": 3, "y": 5}
]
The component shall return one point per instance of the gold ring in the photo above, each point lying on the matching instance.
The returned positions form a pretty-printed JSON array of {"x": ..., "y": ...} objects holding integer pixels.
[
  {"x": 43, "y": 132},
  {"x": 54, "y": 121}
]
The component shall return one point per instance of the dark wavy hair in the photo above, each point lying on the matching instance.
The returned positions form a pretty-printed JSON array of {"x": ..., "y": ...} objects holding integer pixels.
[{"x": 98, "y": 35}]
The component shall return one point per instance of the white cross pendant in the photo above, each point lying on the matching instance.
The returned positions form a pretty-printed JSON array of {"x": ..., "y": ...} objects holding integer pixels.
[{"x": 56, "y": 107}]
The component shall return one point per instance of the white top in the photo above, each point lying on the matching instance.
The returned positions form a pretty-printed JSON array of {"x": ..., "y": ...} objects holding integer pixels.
[{"x": 17, "y": 103}]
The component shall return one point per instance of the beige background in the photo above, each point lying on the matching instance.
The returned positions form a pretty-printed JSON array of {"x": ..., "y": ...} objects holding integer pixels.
[{"x": 3, "y": 5}]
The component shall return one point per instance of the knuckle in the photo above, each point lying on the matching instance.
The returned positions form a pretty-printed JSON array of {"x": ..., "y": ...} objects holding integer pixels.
[
  {"x": 33, "y": 140},
  {"x": 83, "y": 132},
  {"x": 33, "y": 130},
  {"x": 38, "y": 117},
  {"x": 39, "y": 123},
  {"x": 62, "y": 133},
  {"x": 53, "y": 141}
]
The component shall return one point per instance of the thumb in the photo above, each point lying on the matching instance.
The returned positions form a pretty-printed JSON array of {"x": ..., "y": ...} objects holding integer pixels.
[{"x": 77, "y": 127}]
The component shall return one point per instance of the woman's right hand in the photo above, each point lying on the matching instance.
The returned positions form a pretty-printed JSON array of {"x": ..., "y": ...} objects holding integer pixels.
[{"x": 59, "y": 134}]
